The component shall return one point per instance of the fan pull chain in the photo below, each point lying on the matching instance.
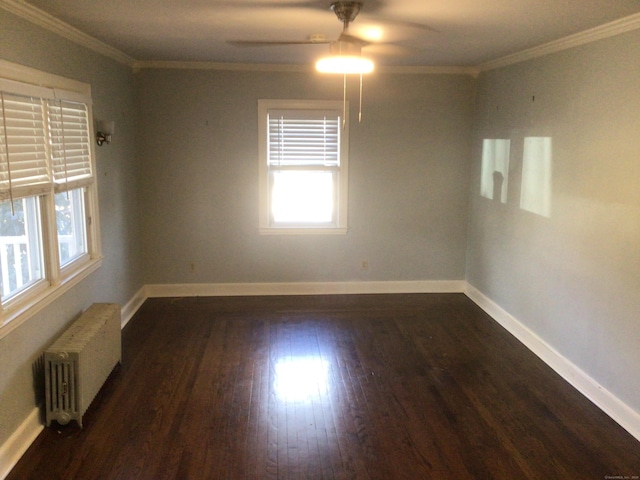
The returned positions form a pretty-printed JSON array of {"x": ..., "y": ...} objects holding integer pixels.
[
  {"x": 344, "y": 101},
  {"x": 360, "y": 106}
]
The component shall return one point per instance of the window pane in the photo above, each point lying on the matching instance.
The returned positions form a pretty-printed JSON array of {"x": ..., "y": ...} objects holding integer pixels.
[
  {"x": 70, "y": 220},
  {"x": 20, "y": 246},
  {"x": 303, "y": 138},
  {"x": 302, "y": 197}
]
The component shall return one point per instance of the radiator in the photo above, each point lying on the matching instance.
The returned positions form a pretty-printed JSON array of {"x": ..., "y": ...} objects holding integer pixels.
[{"x": 79, "y": 361}]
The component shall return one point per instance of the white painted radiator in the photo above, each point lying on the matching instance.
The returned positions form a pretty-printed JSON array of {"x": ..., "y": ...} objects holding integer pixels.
[{"x": 78, "y": 363}]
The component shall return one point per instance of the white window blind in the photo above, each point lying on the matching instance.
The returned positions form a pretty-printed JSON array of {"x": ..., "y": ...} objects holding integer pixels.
[
  {"x": 24, "y": 167},
  {"x": 44, "y": 141},
  {"x": 298, "y": 138},
  {"x": 70, "y": 148}
]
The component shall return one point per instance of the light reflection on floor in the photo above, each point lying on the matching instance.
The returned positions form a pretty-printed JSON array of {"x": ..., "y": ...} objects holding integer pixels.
[{"x": 301, "y": 379}]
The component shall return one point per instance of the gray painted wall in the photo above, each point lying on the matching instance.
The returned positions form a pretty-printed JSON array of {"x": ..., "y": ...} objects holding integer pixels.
[
  {"x": 572, "y": 277},
  {"x": 408, "y": 176},
  {"x": 120, "y": 275}
]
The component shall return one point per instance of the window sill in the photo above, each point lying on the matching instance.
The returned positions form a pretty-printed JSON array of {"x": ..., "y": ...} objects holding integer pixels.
[
  {"x": 20, "y": 311},
  {"x": 303, "y": 231}
]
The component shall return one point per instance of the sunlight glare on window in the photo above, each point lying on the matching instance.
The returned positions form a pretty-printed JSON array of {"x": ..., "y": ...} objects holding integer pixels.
[{"x": 302, "y": 196}]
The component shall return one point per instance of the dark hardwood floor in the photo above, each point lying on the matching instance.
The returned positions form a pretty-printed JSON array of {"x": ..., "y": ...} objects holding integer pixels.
[{"x": 323, "y": 387}]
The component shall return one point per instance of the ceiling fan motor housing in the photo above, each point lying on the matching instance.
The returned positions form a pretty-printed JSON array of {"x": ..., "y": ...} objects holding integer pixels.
[{"x": 346, "y": 11}]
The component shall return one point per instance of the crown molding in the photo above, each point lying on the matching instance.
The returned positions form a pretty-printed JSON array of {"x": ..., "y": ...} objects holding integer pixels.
[
  {"x": 431, "y": 70},
  {"x": 272, "y": 67},
  {"x": 51, "y": 23},
  {"x": 611, "y": 29},
  {"x": 241, "y": 67},
  {"x": 23, "y": 9}
]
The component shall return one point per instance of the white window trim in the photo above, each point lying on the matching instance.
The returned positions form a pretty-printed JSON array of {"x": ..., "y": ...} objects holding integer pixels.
[
  {"x": 58, "y": 280},
  {"x": 265, "y": 227}
]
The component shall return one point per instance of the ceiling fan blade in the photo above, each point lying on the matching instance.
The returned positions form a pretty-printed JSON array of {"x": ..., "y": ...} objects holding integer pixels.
[
  {"x": 374, "y": 29},
  {"x": 271, "y": 43},
  {"x": 371, "y": 6},
  {"x": 387, "y": 49},
  {"x": 345, "y": 37},
  {"x": 275, "y": 4},
  {"x": 372, "y": 10},
  {"x": 397, "y": 22}
]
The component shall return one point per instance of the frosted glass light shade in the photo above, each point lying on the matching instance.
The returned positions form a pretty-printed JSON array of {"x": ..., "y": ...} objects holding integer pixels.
[{"x": 344, "y": 64}]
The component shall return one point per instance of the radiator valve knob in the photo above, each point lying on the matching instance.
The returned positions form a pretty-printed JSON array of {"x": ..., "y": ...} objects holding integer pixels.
[{"x": 63, "y": 355}]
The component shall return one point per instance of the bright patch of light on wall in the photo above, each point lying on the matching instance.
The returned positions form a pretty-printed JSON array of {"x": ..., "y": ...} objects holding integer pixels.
[
  {"x": 535, "y": 195},
  {"x": 495, "y": 168}
]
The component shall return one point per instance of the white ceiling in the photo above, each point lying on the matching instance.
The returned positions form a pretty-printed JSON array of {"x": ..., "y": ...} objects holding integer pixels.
[{"x": 431, "y": 32}]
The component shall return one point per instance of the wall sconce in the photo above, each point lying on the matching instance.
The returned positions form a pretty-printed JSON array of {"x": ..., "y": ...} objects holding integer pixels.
[{"x": 105, "y": 130}]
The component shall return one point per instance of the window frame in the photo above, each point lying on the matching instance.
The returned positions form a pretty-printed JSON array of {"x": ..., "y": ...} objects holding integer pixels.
[
  {"x": 77, "y": 198},
  {"x": 57, "y": 279},
  {"x": 339, "y": 226}
]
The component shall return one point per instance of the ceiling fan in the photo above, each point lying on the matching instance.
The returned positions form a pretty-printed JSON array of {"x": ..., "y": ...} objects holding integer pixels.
[
  {"x": 346, "y": 44},
  {"x": 345, "y": 52},
  {"x": 346, "y": 13}
]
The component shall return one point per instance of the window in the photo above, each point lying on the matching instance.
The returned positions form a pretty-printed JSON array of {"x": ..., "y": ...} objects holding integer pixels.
[
  {"x": 20, "y": 246},
  {"x": 303, "y": 167},
  {"x": 70, "y": 224},
  {"x": 48, "y": 225}
]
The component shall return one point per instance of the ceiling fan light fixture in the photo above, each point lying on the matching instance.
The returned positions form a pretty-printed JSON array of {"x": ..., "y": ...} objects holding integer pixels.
[
  {"x": 345, "y": 58},
  {"x": 344, "y": 64}
]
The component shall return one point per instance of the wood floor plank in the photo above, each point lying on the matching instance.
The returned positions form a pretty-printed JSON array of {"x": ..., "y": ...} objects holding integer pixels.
[{"x": 330, "y": 387}]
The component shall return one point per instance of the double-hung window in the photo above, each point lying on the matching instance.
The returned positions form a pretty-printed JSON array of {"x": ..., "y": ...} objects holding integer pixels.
[
  {"x": 48, "y": 201},
  {"x": 72, "y": 172},
  {"x": 303, "y": 167}
]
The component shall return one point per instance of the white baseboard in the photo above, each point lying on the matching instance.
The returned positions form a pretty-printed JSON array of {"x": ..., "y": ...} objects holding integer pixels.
[
  {"x": 619, "y": 411},
  {"x": 629, "y": 419},
  {"x": 18, "y": 443},
  {"x": 304, "y": 288},
  {"x": 132, "y": 306}
]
